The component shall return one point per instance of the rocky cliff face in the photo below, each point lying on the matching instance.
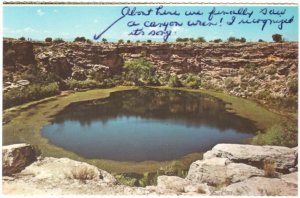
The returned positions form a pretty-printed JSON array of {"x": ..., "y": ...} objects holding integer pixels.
[
  {"x": 228, "y": 169},
  {"x": 242, "y": 69}
]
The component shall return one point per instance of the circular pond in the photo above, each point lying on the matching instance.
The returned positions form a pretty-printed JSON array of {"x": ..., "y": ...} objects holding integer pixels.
[{"x": 146, "y": 124}]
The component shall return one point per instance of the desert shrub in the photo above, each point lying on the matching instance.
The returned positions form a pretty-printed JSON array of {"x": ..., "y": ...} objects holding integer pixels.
[
  {"x": 29, "y": 93},
  {"x": 229, "y": 83},
  {"x": 149, "y": 41},
  {"x": 145, "y": 180},
  {"x": 83, "y": 173},
  {"x": 48, "y": 39},
  {"x": 269, "y": 168},
  {"x": 277, "y": 38},
  {"x": 217, "y": 40},
  {"x": 85, "y": 84},
  {"x": 293, "y": 86},
  {"x": 250, "y": 67},
  {"x": 200, "y": 190},
  {"x": 280, "y": 135},
  {"x": 260, "y": 40},
  {"x": 192, "y": 81},
  {"x": 89, "y": 41},
  {"x": 128, "y": 181},
  {"x": 174, "y": 81},
  {"x": 139, "y": 71},
  {"x": 200, "y": 40},
  {"x": 243, "y": 40},
  {"x": 35, "y": 75},
  {"x": 58, "y": 40},
  {"x": 22, "y": 38},
  {"x": 80, "y": 39}
]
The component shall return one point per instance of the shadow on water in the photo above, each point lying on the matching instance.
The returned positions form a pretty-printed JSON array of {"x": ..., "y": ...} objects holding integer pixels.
[{"x": 146, "y": 124}]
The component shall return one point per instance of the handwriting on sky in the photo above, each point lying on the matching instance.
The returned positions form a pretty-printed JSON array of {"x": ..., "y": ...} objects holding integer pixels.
[{"x": 168, "y": 18}]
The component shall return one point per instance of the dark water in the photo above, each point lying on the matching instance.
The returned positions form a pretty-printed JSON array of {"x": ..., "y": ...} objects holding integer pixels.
[{"x": 146, "y": 124}]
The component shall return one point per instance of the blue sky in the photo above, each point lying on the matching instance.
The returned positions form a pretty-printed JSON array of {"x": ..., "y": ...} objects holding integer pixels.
[{"x": 68, "y": 22}]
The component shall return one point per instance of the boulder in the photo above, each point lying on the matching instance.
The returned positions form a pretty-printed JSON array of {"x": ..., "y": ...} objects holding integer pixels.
[
  {"x": 59, "y": 169},
  {"x": 16, "y": 157},
  {"x": 220, "y": 171},
  {"x": 261, "y": 186},
  {"x": 284, "y": 158}
]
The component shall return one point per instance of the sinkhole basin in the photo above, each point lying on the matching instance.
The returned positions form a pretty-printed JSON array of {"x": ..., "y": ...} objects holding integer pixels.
[{"x": 146, "y": 125}]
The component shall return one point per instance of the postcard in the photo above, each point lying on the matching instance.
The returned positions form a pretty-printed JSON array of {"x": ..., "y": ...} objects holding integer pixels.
[{"x": 150, "y": 98}]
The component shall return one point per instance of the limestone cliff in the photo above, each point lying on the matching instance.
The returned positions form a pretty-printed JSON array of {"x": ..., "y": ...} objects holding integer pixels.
[{"x": 242, "y": 69}]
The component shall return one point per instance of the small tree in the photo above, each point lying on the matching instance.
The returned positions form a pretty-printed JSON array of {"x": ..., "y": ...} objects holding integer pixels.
[
  {"x": 128, "y": 41},
  {"x": 89, "y": 41},
  {"x": 104, "y": 40},
  {"x": 121, "y": 41},
  {"x": 200, "y": 40},
  {"x": 277, "y": 38},
  {"x": 260, "y": 40},
  {"x": 149, "y": 41},
  {"x": 80, "y": 39},
  {"x": 192, "y": 40},
  {"x": 58, "y": 40},
  {"x": 22, "y": 38},
  {"x": 243, "y": 40},
  {"x": 231, "y": 39},
  {"x": 48, "y": 39},
  {"x": 218, "y": 40}
]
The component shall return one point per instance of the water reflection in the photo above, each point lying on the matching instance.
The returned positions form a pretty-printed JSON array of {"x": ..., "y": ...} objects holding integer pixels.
[{"x": 146, "y": 124}]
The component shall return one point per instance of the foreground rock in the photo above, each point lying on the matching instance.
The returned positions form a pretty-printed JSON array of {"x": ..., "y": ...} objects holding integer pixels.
[
  {"x": 284, "y": 158},
  {"x": 262, "y": 186},
  {"x": 16, "y": 157},
  {"x": 223, "y": 171}
]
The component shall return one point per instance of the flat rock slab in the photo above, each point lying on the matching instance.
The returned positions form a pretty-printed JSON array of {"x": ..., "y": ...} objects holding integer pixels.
[
  {"x": 220, "y": 171},
  {"x": 284, "y": 158},
  {"x": 261, "y": 186}
]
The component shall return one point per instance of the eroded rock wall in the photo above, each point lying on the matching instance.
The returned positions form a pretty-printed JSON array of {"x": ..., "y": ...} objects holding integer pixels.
[{"x": 242, "y": 69}]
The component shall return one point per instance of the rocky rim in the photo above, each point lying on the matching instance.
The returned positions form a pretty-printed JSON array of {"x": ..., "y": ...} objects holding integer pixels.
[{"x": 227, "y": 169}]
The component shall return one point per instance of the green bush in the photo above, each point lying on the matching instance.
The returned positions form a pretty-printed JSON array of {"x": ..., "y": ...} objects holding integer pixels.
[
  {"x": 86, "y": 84},
  {"x": 128, "y": 181},
  {"x": 192, "y": 81},
  {"x": 36, "y": 76},
  {"x": 293, "y": 86},
  {"x": 48, "y": 39},
  {"x": 280, "y": 135},
  {"x": 174, "y": 81},
  {"x": 29, "y": 93},
  {"x": 58, "y": 40},
  {"x": 139, "y": 71},
  {"x": 80, "y": 39}
]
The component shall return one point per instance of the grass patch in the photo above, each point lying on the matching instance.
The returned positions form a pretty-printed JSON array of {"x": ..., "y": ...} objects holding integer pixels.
[{"x": 269, "y": 168}]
